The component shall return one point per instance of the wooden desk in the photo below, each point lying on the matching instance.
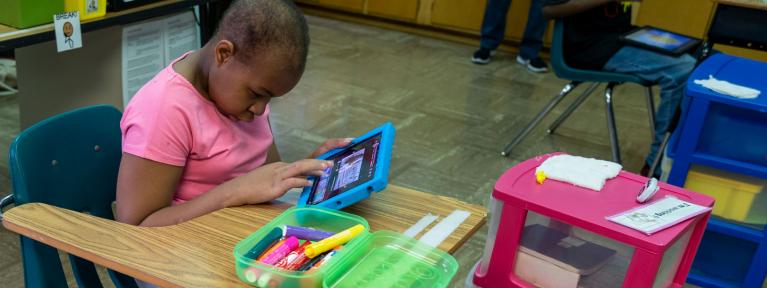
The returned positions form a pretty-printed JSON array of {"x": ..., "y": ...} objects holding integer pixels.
[
  {"x": 198, "y": 253},
  {"x": 11, "y": 37}
]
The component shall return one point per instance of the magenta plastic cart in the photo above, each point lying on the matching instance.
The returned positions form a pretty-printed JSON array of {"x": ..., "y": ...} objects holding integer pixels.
[{"x": 555, "y": 235}]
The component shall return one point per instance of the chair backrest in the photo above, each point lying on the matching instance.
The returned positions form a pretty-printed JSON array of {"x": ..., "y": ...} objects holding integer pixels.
[
  {"x": 71, "y": 161},
  {"x": 562, "y": 70}
]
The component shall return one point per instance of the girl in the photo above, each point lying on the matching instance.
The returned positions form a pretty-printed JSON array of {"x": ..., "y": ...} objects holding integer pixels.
[{"x": 196, "y": 138}]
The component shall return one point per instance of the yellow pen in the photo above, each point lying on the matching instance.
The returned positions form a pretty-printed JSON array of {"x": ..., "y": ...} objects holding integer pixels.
[{"x": 331, "y": 242}]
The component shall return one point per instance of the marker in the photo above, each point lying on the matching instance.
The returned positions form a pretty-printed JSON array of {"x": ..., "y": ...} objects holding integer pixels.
[
  {"x": 325, "y": 259},
  {"x": 305, "y": 233},
  {"x": 270, "y": 250},
  {"x": 331, "y": 242},
  {"x": 296, "y": 255},
  {"x": 251, "y": 274},
  {"x": 290, "y": 244},
  {"x": 269, "y": 281},
  {"x": 263, "y": 245},
  {"x": 309, "y": 264}
]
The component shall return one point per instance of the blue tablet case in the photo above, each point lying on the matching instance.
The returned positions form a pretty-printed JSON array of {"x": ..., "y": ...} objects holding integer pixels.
[{"x": 363, "y": 190}]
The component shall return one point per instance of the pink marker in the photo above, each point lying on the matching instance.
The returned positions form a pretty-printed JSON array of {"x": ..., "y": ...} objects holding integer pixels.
[{"x": 280, "y": 252}]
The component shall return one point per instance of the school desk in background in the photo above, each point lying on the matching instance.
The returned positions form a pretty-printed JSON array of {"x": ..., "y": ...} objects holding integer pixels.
[{"x": 561, "y": 236}]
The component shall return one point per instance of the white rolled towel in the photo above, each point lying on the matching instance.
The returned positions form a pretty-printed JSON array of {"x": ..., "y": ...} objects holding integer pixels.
[{"x": 580, "y": 171}]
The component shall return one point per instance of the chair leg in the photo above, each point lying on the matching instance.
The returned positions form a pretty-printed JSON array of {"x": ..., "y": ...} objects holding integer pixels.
[
  {"x": 578, "y": 101},
  {"x": 521, "y": 136},
  {"x": 611, "y": 123},
  {"x": 650, "y": 111}
]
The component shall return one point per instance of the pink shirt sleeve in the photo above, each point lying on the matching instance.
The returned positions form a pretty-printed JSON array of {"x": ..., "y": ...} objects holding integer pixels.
[{"x": 161, "y": 132}]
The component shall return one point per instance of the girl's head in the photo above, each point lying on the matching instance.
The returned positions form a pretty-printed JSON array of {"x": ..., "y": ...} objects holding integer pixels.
[{"x": 258, "y": 52}]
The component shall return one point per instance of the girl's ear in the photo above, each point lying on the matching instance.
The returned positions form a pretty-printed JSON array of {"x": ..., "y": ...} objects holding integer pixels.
[{"x": 224, "y": 51}]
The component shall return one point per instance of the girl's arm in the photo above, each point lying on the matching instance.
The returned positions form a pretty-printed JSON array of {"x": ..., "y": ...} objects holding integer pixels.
[{"x": 145, "y": 189}]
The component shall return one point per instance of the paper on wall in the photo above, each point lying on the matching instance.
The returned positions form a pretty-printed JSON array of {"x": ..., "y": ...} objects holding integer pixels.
[{"x": 150, "y": 46}]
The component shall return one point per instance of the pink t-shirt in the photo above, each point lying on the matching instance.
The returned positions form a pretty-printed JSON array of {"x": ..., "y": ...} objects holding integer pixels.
[{"x": 168, "y": 121}]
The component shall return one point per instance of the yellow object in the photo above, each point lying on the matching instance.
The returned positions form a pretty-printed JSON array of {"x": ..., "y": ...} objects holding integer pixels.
[
  {"x": 735, "y": 194},
  {"x": 540, "y": 177},
  {"x": 331, "y": 242},
  {"x": 88, "y": 8}
]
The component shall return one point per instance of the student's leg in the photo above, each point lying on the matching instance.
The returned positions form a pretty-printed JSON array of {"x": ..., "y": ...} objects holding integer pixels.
[
  {"x": 669, "y": 72},
  {"x": 494, "y": 23},
  {"x": 532, "y": 40}
]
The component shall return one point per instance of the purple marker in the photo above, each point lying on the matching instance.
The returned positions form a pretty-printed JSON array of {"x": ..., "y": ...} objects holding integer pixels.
[
  {"x": 280, "y": 252},
  {"x": 305, "y": 233}
]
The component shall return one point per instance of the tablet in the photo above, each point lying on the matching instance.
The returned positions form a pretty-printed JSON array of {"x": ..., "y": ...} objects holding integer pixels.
[
  {"x": 660, "y": 40},
  {"x": 358, "y": 169}
]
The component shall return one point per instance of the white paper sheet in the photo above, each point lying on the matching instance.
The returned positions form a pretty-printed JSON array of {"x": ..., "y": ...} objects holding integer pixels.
[{"x": 658, "y": 215}]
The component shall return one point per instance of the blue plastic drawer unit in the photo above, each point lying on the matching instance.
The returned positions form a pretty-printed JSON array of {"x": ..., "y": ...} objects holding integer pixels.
[{"x": 733, "y": 128}]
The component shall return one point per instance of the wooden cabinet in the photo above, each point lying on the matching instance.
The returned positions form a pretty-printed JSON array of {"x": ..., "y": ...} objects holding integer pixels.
[
  {"x": 398, "y": 9},
  {"x": 462, "y": 15},
  {"x": 689, "y": 17},
  {"x": 349, "y": 5},
  {"x": 516, "y": 19}
]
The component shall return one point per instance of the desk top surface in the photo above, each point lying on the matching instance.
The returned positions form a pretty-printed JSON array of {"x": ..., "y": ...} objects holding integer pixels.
[
  {"x": 198, "y": 253},
  {"x": 11, "y": 37}
]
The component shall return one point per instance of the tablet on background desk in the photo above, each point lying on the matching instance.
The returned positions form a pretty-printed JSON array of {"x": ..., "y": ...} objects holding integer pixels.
[
  {"x": 358, "y": 169},
  {"x": 660, "y": 40}
]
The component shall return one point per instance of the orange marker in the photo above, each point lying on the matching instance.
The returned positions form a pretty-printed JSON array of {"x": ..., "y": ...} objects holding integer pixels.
[{"x": 270, "y": 250}]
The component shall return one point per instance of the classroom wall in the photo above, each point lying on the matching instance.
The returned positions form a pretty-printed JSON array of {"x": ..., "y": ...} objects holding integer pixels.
[{"x": 51, "y": 82}]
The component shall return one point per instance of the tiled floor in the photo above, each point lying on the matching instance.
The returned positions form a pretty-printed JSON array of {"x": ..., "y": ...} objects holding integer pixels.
[{"x": 452, "y": 117}]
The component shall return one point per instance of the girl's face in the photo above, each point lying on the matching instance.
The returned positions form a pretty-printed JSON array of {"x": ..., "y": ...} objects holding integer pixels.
[{"x": 241, "y": 91}]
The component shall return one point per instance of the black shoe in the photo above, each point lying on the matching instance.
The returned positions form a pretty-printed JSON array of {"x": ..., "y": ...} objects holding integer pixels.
[
  {"x": 536, "y": 65},
  {"x": 482, "y": 56}
]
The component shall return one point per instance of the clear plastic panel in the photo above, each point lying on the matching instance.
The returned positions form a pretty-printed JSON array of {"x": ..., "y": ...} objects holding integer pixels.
[
  {"x": 671, "y": 259},
  {"x": 555, "y": 254},
  {"x": 495, "y": 220}
]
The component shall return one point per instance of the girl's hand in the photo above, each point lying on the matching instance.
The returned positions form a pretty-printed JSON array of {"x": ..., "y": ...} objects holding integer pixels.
[
  {"x": 272, "y": 180},
  {"x": 330, "y": 145}
]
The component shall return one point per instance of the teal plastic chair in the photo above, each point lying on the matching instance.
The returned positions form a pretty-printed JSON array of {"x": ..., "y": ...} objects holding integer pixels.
[
  {"x": 71, "y": 161},
  {"x": 576, "y": 77}
]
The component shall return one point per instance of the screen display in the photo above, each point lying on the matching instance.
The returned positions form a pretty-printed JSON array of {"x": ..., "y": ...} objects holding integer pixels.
[
  {"x": 659, "y": 38},
  {"x": 351, "y": 167}
]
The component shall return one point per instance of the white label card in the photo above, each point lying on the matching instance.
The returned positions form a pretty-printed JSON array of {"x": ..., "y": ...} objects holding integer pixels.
[
  {"x": 658, "y": 215},
  {"x": 67, "y": 29},
  {"x": 92, "y": 6}
]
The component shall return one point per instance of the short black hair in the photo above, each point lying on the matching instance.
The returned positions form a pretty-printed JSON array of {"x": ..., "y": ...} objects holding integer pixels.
[{"x": 265, "y": 26}]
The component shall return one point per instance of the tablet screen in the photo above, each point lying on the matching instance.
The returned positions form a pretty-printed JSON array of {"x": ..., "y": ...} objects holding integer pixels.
[
  {"x": 659, "y": 38},
  {"x": 353, "y": 166}
]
